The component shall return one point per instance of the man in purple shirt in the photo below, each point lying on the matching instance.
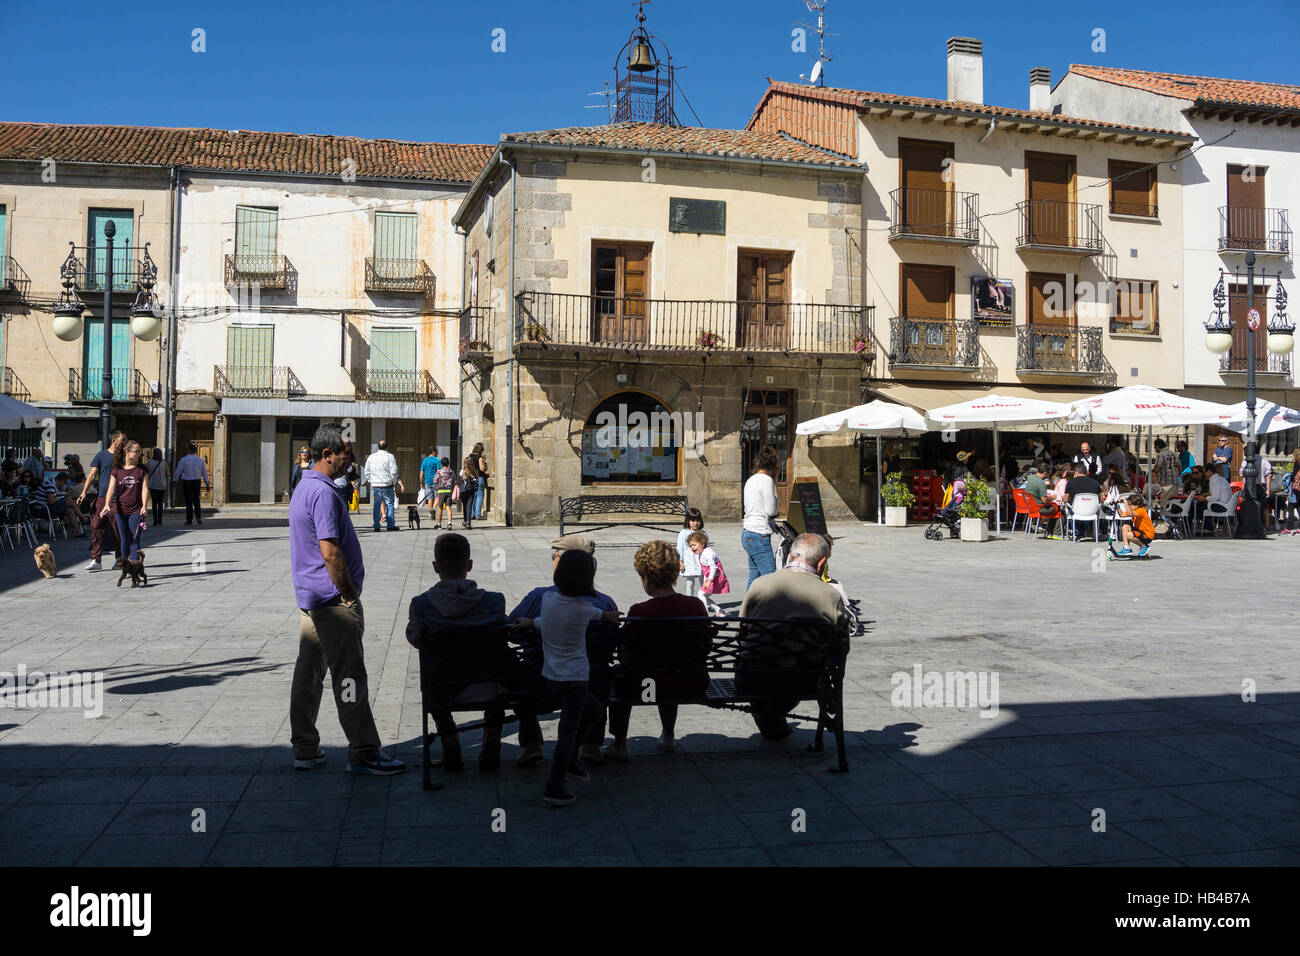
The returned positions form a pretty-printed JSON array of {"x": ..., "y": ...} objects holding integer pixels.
[{"x": 325, "y": 561}]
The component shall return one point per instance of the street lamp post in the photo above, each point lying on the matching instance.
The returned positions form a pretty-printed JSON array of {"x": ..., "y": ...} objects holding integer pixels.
[
  {"x": 1218, "y": 338},
  {"x": 106, "y": 390}
]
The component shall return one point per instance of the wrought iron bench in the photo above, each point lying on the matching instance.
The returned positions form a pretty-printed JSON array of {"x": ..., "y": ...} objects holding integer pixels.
[
  {"x": 760, "y": 667},
  {"x": 574, "y": 510}
]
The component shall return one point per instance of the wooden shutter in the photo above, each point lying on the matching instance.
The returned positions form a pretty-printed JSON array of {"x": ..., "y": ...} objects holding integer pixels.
[
  {"x": 1046, "y": 297},
  {"x": 1132, "y": 189},
  {"x": 396, "y": 244},
  {"x": 255, "y": 238},
  {"x": 927, "y": 198},
  {"x": 927, "y": 291},
  {"x": 1051, "y": 214},
  {"x": 1246, "y": 227},
  {"x": 392, "y": 350},
  {"x": 93, "y": 358},
  {"x": 1135, "y": 305},
  {"x": 97, "y": 249},
  {"x": 250, "y": 350},
  {"x": 4, "y": 258},
  {"x": 1238, "y": 306},
  {"x": 763, "y": 293}
]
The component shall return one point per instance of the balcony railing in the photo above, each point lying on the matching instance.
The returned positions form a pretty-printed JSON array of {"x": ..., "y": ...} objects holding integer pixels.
[
  {"x": 1246, "y": 229},
  {"x": 1058, "y": 348},
  {"x": 1059, "y": 226},
  {"x": 256, "y": 381},
  {"x": 12, "y": 386},
  {"x": 940, "y": 215},
  {"x": 396, "y": 385},
  {"x": 475, "y": 333},
  {"x": 690, "y": 324},
  {"x": 1266, "y": 362},
  {"x": 399, "y": 275},
  {"x": 132, "y": 267},
  {"x": 129, "y": 385},
  {"x": 931, "y": 343},
  {"x": 13, "y": 278},
  {"x": 262, "y": 272}
]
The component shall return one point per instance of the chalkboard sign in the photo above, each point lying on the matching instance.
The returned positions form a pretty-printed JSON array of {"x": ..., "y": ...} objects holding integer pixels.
[
  {"x": 697, "y": 215},
  {"x": 805, "y": 513}
]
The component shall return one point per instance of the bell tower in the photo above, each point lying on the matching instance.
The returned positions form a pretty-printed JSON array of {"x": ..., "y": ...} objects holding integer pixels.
[{"x": 643, "y": 78}]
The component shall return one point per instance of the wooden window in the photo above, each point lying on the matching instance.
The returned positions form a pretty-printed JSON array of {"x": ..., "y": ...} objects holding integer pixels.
[
  {"x": 92, "y": 364},
  {"x": 620, "y": 283},
  {"x": 97, "y": 249},
  {"x": 1246, "y": 214},
  {"x": 927, "y": 200},
  {"x": 1050, "y": 191},
  {"x": 1050, "y": 300},
  {"x": 250, "y": 351},
  {"x": 4, "y": 259},
  {"x": 255, "y": 239},
  {"x": 1135, "y": 307},
  {"x": 926, "y": 292},
  {"x": 392, "y": 360},
  {"x": 763, "y": 294},
  {"x": 396, "y": 244},
  {"x": 1238, "y": 306},
  {"x": 1132, "y": 189}
]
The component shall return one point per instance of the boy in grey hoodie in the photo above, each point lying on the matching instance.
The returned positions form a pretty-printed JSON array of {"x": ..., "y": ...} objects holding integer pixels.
[{"x": 456, "y": 602}]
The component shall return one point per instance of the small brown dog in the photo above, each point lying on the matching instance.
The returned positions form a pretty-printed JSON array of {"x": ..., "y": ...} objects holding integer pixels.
[
  {"x": 45, "y": 560},
  {"x": 135, "y": 569}
]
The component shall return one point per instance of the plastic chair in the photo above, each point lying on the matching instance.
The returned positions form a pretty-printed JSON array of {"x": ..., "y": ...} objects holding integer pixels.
[
  {"x": 16, "y": 520},
  {"x": 1037, "y": 514},
  {"x": 1086, "y": 507},
  {"x": 1221, "y": 513},
  {"x": 1177, "y": 509},
  {"x": 1020, "y": 500}
]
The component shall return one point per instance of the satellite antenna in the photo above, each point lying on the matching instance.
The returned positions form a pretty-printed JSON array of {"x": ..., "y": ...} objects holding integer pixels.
[{"x": 818, "y": 7}]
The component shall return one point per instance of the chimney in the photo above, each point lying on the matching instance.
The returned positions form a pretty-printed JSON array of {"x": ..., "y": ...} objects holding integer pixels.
[
  {"x": 966, "y": 70},
  {"x": 1040, "y": 89}
]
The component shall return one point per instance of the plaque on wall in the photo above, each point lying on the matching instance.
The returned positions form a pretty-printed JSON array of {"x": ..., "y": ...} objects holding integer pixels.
[
  {"x": 993, "y": 302},
  {"x": 700, "y": 216}
]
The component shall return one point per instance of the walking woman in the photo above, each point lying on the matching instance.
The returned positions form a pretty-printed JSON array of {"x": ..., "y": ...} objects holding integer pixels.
[
  {"x": 300, "y": 467},
  {"x": 480, "y": 463},
  {"x": 159, "y": 475},
  {"x": 469, "y": 481},
  {"x": 760, "y": 508},
  {"x": 128, "y": 488}
]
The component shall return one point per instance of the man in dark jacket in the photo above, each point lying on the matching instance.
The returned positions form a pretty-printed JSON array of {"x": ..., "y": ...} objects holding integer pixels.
[{"x": 456, "y": 602}]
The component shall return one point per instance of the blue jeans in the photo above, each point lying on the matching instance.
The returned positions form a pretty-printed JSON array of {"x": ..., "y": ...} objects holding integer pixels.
[
  {"x": 761, "y": 560},
  {"x": 386, "y": 495},
  {"x": 579, "y": 713},
  {"x": 478, "y": 499},
  {"x": 128, "y": 531}
]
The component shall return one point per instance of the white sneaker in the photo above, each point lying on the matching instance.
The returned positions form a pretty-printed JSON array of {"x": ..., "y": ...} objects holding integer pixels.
[
  {"x": 668, "y": 745},
  {"x": 94, "y": 566}
]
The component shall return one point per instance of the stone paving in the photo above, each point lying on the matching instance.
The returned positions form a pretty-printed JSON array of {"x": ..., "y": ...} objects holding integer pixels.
[{"x": 1120, "y": 701}]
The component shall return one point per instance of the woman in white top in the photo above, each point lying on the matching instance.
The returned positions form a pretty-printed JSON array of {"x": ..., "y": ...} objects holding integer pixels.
[
  {"x": 158, "y": 475},
  {"x": 760, "y": 507}
]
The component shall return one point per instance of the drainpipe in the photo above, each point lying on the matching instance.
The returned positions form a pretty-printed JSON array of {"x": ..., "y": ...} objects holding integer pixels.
[
  {"x": 460, "y": 369},
  {"x": 168, "y": 384},
  {"x": 510, "y": 361},
  {"x": 993, "y": 124}
]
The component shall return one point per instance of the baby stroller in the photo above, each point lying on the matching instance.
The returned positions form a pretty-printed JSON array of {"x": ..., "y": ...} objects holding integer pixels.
[
  {"x": 788, "y": 534},
  {"x": 949, "y": 515}
]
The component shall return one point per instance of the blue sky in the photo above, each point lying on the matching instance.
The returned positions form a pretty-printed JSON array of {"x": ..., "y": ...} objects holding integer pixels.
[{"x": 425, "y": 70}]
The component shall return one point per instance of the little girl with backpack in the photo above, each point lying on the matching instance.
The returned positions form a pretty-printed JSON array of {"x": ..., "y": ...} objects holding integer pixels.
[
  {"x": 714, "y": 577},
  {"x": 444, "y": 482}
]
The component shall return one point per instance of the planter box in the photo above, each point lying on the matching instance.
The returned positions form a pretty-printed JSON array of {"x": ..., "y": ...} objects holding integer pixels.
[
  {"x": 974, "y": 529},
  {"x": 895, "y": 517}
]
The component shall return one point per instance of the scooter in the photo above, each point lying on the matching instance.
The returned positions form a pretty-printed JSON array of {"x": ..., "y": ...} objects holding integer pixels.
[{"x": 1112, "y": 554}]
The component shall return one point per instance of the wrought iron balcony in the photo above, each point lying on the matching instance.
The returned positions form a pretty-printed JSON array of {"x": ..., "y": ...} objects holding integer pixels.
[
  {"x": 1053, "y": 225},
  {"x": 934, "y": 215},
  {"x": 256, "y": 381},
  {"x": 1238, "y": 356},
  {"x": 132, "y": 267},
  {"x": 129, "y": 385},
  {"x": 12, "y": 386},
  {"x": 399, "y": 275},
  {"x": 261, "y": 272},
  {"x": 916, "y": 342},
  {"x": 1066, "y": 349},
  {"x": 475, "y": 333},
  {"x": 704, "y": 325},
  {"x": 396, "y": 385},
  {"x": 13, "y": 279},
  {"x": 1260, "y": 230}
]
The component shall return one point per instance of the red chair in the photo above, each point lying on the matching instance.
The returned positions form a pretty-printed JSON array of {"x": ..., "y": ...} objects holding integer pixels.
[
  {"x": 1021, "y": 501},
  {"x": 1038, "y": 512}
]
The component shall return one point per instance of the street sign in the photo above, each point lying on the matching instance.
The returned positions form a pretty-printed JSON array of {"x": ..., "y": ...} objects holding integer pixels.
[{"x": 1252, "y": 319}]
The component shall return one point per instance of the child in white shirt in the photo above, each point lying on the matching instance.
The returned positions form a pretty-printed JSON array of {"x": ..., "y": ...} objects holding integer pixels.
[
  {"x": 714, "y": 578},
  {"x": 688, "y": 561}
]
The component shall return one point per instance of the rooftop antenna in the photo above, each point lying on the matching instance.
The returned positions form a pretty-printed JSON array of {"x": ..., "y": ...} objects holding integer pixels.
[
  {"x": 814, "y": 76},
  {"x": 607, "y": 106}
]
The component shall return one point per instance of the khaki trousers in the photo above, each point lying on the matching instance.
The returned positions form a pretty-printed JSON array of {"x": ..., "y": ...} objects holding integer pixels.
[{"x": 329, "y": 638}]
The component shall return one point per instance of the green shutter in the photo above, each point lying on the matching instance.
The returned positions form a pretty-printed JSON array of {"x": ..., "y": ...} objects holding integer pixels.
[
  {"x": 255, "y": 239},
  {"x": 4, "y": 257},
  {"x": 392, "y": 360},
  {"x": 250, "y": 350},
  {"x": 97, "y": 249},
  {"x": 396, "y": 244},
  {"x": 92, "y": 367}
]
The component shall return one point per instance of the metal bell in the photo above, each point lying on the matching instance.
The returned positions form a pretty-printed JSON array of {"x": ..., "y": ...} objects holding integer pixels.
[{"x": 642, "y": 59}]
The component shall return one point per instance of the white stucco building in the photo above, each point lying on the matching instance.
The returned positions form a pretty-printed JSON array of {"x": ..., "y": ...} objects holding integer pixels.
[{"x": 1241, "y": 193}]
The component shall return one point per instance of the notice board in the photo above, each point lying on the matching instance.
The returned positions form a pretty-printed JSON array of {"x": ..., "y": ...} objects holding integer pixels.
[{"x": 805, "y": 512}]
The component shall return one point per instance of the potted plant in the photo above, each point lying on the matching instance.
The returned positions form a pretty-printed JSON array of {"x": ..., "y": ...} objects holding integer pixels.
[
  {"x": 974, "y": 519},
  {"x": 536, "y": 332},
  {"x": 860, "y": 343},
  {"x": 898, "y": 498},
  {"x": 707, "y": 340}
]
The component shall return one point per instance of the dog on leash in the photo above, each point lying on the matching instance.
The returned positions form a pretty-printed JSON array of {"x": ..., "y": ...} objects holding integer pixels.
[
  {"x": 135, "y": 569},
  {"x": 412, "y": 517},
  {"x": 45, "y": 560}
]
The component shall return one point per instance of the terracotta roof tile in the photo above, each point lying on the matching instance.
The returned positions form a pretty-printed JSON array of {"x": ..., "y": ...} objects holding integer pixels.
[
  {"x": 652, "y": 137},
  {"x": 243, "y": 151},
  {"x": 862, "y": 99},
  {"x": 1206, "y": 90}
]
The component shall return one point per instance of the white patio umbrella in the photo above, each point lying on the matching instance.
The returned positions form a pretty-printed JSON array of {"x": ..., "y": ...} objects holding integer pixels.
[
  {"x": 884, "y": 419},
  {"x": 1269, "y": 417},
  {"x": 15, "y": 414},
  {"x": 1150, "y": 406},
  {"x": 991, "y": 411}
]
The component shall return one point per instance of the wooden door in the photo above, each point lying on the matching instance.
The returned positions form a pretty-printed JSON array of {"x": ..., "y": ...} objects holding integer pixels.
[
  {"x": 1238, "y": 306},
  {"x": 1051, "y": 213},
  {"x": 926, "y": 300},
  {"x": 92, "y": 363},
  {"x": 1246, "y": 227},
  {"x": 768, "y": 419},
  {"x": 620, "y": 277},
  {"x": 205, "y": 452},
  {"x": 1236, "y": 442},
  {"x": 927, "y": 198},
  {"x": 763, "y": 294}
]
